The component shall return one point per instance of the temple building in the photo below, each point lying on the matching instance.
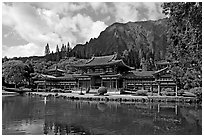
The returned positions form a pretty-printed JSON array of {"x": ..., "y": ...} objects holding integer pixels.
[
  {"x": 110, "y": 72},
  {"x": 55, "y": 78},
  {"x": 102, "y": 71}
]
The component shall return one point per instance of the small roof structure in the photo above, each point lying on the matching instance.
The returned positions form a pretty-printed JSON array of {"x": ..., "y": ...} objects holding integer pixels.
[
  {"x": 56, "y": 69},
  {"x": 43, "y": 76},
  {"x": 161, "y": 70}
]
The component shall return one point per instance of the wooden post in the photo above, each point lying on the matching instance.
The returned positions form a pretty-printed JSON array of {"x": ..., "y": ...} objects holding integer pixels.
[
  {"x": 78, "y": 84},
  {"x": 151, "y": 88},
  {"x": 45, "y": 86},
  {"x": 101, "y": 82},
  {"x": 90, "y": 83},
  {"x": 176, "y": 90},
  {"x": 37, "y": 87},
  {"x": 123, "y": 83},
  {"x": 110, "y": 83},
  {"x": 176, "y": 109},
  {"x": 116, "y": 85},
  {"x": 158, "y": 89},
  {"x": 158, "y": 109}
]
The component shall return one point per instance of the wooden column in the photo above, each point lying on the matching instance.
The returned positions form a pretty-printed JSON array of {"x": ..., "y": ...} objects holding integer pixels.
[
  {"x": 90, "y": 83},
  {"x": 101, "y": 82},
  {"x": 45, "y": 85},
  {"x": 110, "y": 83},
  {"x": 176, "y": 109},
  {"x": 176, "y": 90},
  {"x": 124, "y": 83},
  {"x": 151, "y": 88},
  {"x": 116, "y": 86},
  {"x": 78, "y": 84},
  {"x": 159, "y": 89},
  {"x": 37, "y": 87}
]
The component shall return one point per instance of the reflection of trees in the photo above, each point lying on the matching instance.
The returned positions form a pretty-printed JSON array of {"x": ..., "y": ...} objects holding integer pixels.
[
  {"x": 81, "y": 117},
  {"x": 64, "y": 129}
]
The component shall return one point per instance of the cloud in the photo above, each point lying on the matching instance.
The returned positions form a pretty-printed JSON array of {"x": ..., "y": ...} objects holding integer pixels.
[
  {"x": 29, "y": 49},
  {"x": 99, "y": 6},
  {"x": 127, "y": 11},
  {"x": 64, "y": 8},
  {"x": 81, "y": 27}
]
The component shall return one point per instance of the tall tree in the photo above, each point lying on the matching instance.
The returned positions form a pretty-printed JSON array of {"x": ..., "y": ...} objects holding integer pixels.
[
  {"x": 57, "y": 49},
  {"x": 15, "y": 71},
  {"x": 57, "y": 53},
  {"x": 47, "y": 49},
  {"x": 68, "y": 50},
  {"x": 63, "y": 51},
  {"x": 185, "y": 41}
]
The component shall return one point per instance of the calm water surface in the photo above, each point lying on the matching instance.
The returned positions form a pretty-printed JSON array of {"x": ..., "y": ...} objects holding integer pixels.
[{"x": 35, "y": 115}]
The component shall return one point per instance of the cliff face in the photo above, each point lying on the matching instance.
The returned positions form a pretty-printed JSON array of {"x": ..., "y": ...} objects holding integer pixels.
[{"x": 146, "y": 39}]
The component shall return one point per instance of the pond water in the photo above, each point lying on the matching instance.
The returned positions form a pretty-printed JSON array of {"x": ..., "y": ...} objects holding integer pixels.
[{"x": 38, "y": 115}]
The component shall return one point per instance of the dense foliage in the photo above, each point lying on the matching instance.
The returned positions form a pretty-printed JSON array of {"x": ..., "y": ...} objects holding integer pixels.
[
  {"x": 47, "y": 49},
  {"x": 16, "y": 72},
  {"x": 185, "y": 42}
]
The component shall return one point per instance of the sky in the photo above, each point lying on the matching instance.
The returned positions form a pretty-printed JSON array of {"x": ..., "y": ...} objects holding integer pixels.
[{"x": 28, "y": 26}]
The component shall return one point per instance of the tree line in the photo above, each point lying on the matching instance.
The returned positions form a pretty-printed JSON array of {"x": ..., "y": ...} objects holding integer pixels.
[{"x": 65, "y": 52}]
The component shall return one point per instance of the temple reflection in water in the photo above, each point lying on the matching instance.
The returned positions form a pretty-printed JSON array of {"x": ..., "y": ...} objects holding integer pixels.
[{"x": 59, "y": 116}]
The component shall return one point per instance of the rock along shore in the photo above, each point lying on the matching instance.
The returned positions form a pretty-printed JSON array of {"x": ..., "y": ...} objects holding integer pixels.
[{"x": 115, "y": 97}]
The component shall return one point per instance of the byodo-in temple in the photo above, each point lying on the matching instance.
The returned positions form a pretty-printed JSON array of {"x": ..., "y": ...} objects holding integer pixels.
[{"x": 110, "y": 72}]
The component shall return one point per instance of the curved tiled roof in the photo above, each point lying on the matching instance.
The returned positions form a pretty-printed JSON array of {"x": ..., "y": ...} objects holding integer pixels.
[
  {"x": 59, "y": 70},
  {"x": 161, "y": 70},
  {"x": 104, "y": 60},
  {"x": 139, "y": 74}
]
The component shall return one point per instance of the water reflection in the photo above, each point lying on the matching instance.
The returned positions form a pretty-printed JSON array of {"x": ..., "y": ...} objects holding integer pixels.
[{"x": 39, "y": 115}]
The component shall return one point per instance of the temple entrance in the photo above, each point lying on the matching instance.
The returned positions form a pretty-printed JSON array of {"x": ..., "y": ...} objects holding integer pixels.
[{"x": 95, "y": 82}]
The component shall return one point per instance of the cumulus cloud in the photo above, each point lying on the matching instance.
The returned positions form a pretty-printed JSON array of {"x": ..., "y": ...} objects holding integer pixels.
[
  {"x": 128, "y": 11},
  {"x": 99, "y": 6},
  {"x": 61, "y": 7},
  {"x": 29, "y": 49}
]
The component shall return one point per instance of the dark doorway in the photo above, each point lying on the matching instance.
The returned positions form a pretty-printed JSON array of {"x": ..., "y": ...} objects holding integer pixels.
[{"x": 95, "y": 81}]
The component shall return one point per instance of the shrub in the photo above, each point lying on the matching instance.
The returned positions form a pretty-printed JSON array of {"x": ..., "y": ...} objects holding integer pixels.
[
  {"x": 122, "y": 91},
  {"x": 189, "y": 94},
  {"x": 168, "y": 92},
  {"x": 102, "y": 90},
  {"x": 181, "y": 92},
  {"x": 197, "y": 91},
  {"x": 141, "y": 93}
]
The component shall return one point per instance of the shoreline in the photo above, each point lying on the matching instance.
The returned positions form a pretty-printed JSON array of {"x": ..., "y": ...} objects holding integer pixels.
[{"x": 116, "y": 97}]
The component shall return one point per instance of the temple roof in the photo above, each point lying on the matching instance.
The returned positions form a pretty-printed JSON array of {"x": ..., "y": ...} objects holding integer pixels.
[
  {"x": 56, "y": 69},
  {"x": 145, "y": 74},
  {"x": 161, "y": 70},
  {"x": 59, "y": 70},
  {"x": 43, "y": 76},
  {"x": 139, "y": 74},
  {"x": 104, "y": 60}
]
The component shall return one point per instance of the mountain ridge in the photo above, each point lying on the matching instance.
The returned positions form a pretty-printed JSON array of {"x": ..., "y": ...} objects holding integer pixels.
[{"x": 145, "y": 39}]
